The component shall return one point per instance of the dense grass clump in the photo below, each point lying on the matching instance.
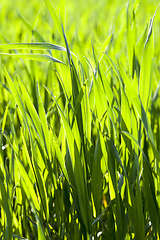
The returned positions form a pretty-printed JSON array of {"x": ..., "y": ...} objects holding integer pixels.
[{"x": 79, "y": 120}]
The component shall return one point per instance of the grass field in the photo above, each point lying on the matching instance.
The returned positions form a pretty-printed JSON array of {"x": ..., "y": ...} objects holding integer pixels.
[{"x": 79, "y": 120}]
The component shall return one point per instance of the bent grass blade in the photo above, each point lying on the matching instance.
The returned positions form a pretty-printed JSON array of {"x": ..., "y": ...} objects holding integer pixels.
[
  {"x": 33, "y": 56},
  {"x": 32, "y": 46}
]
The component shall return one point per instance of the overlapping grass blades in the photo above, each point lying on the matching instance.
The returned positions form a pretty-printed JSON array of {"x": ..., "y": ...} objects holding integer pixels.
[
  {"x": 80, "y": 158},
  {"x": 145, "y": 86},
  {"x": 32, "y": 46}
]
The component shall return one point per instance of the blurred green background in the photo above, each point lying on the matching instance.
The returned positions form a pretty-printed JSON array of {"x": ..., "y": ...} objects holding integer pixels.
[{"x": 84, "y": 18}]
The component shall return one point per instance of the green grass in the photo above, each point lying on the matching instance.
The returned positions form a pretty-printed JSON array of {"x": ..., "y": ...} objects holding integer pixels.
[{"x": 79, "y": 120}]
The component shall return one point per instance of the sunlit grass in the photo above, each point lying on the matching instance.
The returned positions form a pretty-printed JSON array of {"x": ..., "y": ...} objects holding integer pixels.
[{"x": 79, "y": 121}]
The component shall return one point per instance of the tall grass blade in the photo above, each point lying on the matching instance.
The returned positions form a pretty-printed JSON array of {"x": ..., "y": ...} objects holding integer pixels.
[
  {"x": 28, "y": 186},
  {"x": 145, "y": 86},
  {"x": 55, "y": 17},
  {"x": 130, "y": 43},
  {"x": 7, "y": 212}
]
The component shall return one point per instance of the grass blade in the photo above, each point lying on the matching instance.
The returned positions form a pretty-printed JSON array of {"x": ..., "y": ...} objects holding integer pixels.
[
  {"x": 33, "y": 56},
  {"x": 7, "y": 211},
  {"x": 32, "y": 46},
  {"x": 55, "y": 17}
]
